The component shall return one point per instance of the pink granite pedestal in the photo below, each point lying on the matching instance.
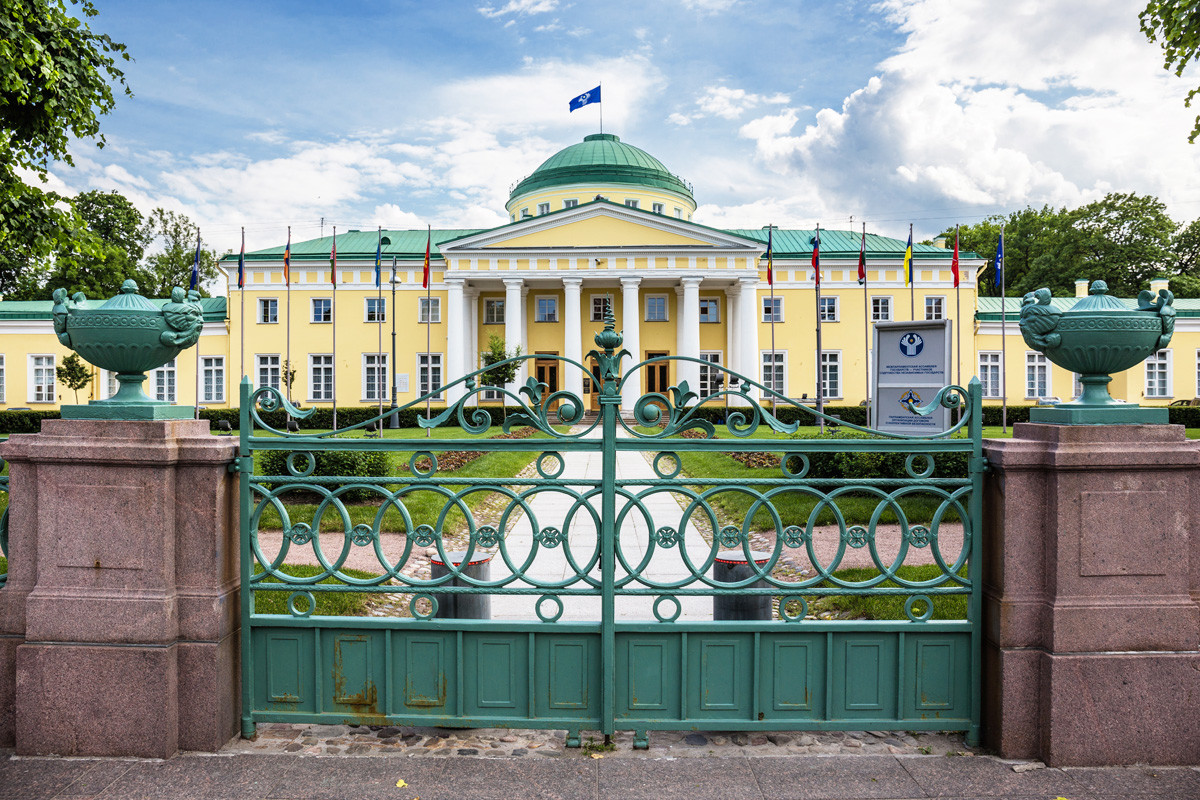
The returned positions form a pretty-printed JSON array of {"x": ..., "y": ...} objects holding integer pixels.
[
  {"x": 121, "y": 609},
  {"x": 1091, "y": 590}
]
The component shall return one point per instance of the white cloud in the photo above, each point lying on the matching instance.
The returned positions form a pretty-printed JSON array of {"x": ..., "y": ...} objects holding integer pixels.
[
  {"x": 675, "y": 118},
  {"x": 519, "y": 7},
  {"x": 709, "y": 6}
]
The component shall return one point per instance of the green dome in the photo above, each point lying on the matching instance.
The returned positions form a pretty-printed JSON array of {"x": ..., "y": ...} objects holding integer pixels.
[{"x": 601, "y": 158}]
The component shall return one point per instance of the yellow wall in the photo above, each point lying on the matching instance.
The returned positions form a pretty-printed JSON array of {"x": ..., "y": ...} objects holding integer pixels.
[{"x": 616, "y": 193}]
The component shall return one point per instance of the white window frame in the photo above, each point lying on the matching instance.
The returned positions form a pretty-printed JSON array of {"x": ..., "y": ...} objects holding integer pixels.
[
  {"x": 429, "y": 310},
  {"x": 632, "y": 203},
  {"x": 678, "y": 213},
  {"x": 831, "y": 360},
  {"x": 781, "y": 359},
  {"x": 493, "y": 311},
  {"x": 1076, "y": 386},
  {"x": 525, "y": 214},
  {"x": 212, "y": 379},
  {"x": 553, "y": 308},
  {"x": 543, "y": 208},
  {"x": 1039, "y": 363},
  {"x": 314, "y": 380},
  {"x": 377, "y": 304},
  {"x": 666, "y": 308},
  {"x": 764, "y": 308},
  {"x": 715, "y": 304},
  {"x": 940, "y": 303},
  {"x": 3, "y": 382},
  {"x": 657, "y": 208},
  {"x": 261, "y": 318},
  {"x": 423, "y": 379},
  {"x": 109, "y": 385},
  {"x": 1158, "y": 362},
  {"x": 374, "y": 362},
  {"x": 598, "y": 301},
  {"x": 277, "y": 366},
  {"x": 570, "y": 203},
  {"x": 708, "y": 376},
  {"x": 828, "y": 302},
  {"x": 313, "y": 316},
  {"x": 168, "y": 376},
  {"x": 1197, "y": 394},
  {"x": 42, "y": 392},
  {"x": 881, "y": 302},
  {"x": 987, "y": 360}
]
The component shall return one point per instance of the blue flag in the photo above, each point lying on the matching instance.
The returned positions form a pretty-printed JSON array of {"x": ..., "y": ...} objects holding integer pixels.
[
  {"x": 584, "y": 99},
  {"x": 378, "y": 254},
  {"x": 1000, "y": 260},
  {"x": 196, "y": 263}
]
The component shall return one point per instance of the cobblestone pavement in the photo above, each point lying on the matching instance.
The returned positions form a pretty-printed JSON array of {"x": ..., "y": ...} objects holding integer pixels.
[{"x": 363, "y": 740}]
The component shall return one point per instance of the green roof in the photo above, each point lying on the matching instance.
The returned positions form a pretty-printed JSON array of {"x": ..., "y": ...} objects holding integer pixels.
[
  {"x": 602, "y": 158},
  {"x": 214, "y": 308},
  {"x": 798, "y": 243},
  {"x": 404, "y": 245},
  {"x": 988, "y": 308}
]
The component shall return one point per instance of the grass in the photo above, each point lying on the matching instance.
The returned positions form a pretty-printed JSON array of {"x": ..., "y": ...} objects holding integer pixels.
[
  {"x": 891, "y": 606},
  {"x": 329, "y": 604}
]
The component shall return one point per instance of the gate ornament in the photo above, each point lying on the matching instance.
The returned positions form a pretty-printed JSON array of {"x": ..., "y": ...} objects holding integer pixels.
[
  {"x": 128, "y": 335},
  {"x": 1096, "y": 337}
]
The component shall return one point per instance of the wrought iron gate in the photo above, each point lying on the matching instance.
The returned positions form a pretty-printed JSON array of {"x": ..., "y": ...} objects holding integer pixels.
[{"x": 663, "y": 670}]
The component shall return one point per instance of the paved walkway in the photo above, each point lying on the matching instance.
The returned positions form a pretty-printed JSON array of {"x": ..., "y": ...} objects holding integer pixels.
[{"x": 578, "y": 777}]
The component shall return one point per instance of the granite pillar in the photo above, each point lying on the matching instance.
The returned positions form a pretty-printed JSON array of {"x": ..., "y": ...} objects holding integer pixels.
[
  {"x": 124, "y": 545},
  {"x": 1091, "y": 622}
]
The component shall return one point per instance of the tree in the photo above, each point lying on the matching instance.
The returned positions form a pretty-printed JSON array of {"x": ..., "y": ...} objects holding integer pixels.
[
  {"x": 1027, "y": 233},
  {"x": 119, "y": 236},
  {"x": 171, "y": 265},
  {"x": 1177, "y": 24},
  {"x": 73, "y": 374},
  {"x": 56, "y": 80},
  {"x": 505, "y": 373}
]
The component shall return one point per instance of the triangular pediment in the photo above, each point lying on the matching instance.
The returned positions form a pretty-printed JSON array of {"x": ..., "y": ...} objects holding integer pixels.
[{"x": 599, "y": 225}]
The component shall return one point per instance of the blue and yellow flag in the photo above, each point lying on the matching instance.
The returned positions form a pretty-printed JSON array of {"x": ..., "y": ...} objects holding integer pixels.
[
  {"x": 196, "y": 263},
  {"x": 908, "y": 265},
  {"x": 378, "y": 254},
  {"x": 1000, "y": 260}
]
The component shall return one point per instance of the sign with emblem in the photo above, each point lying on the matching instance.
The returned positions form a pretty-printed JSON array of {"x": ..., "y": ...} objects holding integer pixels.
[{"x": 911, "y": 364}]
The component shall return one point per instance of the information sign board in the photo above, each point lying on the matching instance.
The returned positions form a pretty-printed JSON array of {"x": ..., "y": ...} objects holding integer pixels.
[{"x": 912, "y": 362}]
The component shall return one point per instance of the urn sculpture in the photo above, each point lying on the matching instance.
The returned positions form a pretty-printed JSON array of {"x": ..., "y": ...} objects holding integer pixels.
[
  {"x": 1097, "y": 336},
  {"x": 128, "y": 335}
]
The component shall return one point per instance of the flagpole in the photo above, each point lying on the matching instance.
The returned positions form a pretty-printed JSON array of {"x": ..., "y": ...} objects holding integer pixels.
[
  {"x": 912, "y": 281},
  {"x": 817, "y": 280},
  {"x": 333, "y": 322},
  {"x": 600, "y": 103},
  {"x": 862, "y": 261},
  {"x": 1003, "y": 339},
  {"x": 428, "y": 324},
  {"x": 287, "y": 279},
  {"x": 196, "y": 285},
  {"x": 242, "y": 292},
  {"x": 771, "y": 283},
  {"x": 394, "y": 419},
  {"x": 379, "y": 324},
  {"x": 957, "y": 312}
]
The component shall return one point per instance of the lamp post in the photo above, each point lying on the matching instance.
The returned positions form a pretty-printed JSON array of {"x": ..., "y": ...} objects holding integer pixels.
[{"x": 394, "y": 418}]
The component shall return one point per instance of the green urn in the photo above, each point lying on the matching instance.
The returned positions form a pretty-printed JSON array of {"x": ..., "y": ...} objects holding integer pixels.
[
  {"x": 1097, "y": 336},
  {"x": 128, "y": 335}
]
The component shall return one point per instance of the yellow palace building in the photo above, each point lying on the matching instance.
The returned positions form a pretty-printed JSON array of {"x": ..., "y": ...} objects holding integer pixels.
[{"x": 599, "y": 222}]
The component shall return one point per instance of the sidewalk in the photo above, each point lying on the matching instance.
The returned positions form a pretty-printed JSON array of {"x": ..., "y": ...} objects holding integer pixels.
[{"x": 578, "y": 777}]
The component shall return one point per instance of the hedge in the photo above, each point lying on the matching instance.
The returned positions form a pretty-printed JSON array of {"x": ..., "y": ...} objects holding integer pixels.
[{"x": 339, "y": 463}]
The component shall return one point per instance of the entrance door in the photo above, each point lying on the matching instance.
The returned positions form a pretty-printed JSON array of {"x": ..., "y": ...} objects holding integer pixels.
[
  {"x": 591, "y": 386},
  {"x": 657, "y": 377},
  {"x": 547, "y": 373}
]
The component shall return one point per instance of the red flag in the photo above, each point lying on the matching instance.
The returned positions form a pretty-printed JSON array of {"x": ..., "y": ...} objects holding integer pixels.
[
  {"x": 862, "y": 258},
  {"x": 333, "y": 259},
  {"x": 816, "y": 257},
  {"x": 770, "y": 257},
  {"x": 287, "y": 259},
  {"x": 425, "y": 273},
  {"x": 954, "y": 262}
]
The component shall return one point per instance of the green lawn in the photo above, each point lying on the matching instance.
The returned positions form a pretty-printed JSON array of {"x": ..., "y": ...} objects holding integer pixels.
[
  {"x": 329, "y": 604},
  {"x": 891, "y": 606}
]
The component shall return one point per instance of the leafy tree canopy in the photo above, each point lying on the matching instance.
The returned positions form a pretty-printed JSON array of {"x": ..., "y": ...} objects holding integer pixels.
[
  {"x": 171, "y": 263},
  {"x": 1175, "y": 24},
  {"x": 118, "y": 236}
]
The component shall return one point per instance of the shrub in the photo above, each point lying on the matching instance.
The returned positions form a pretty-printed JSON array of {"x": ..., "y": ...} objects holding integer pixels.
[{"x": 332, "y": 463}]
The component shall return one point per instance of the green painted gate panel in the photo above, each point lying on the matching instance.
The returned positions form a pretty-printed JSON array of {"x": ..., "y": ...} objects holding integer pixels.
[
  {"x": 940, "y": 687},
  {"x": 425, "y": 673},
  {"x": 567, "y": 676},
  {"x": 792, "y": 676},
  {"x": 719, "y": 676},
  {"x": 496, "y": 675},
  {"x": 648, "y": 682},
  {"x": 285, "y": 664},
  {"x": 864, "y": 676}
]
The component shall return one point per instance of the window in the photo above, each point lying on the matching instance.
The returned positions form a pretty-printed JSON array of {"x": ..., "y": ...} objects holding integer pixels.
[
  {"x": 881, "y": 309},
  {"x": 429, "y": 309},
  {"x": 935, "y": 308},
  {"x": 772, "y": 369},
  {"x": 829, "y": 309},
  {"x": 268, "y": 310},
  {"x": 1037, "y": 376},
  {"x": 2, "y": 379},
  {"x": 493, "y": 312},
  {"x": 543, "y": 208},
  {"x": 1158, "y": 374},
  {"x": 710, "y": 309},
  {"x": 711, "y": 379},
  {"x": 376, "y": 309},
  {"x": 429, "y": 372},
  {"x": 600, "y": 302},
  {"x": 268, "y": 371},
  {"x": 656, "y": 308},
  {"x": 631, "y": 203},
  {"x": 322, "y": 309},
  {"x": 110, "y": 384},
  {"x": 570, "y": 203},
  {"x": 546, "y": 309},
  {"x": 212, "y": 375},
  {"x": 772, "y": 309},
  {"x": 679, "y": 213},
  {"x": 1077, "y": 387},
  {"x": 525, "y": 213},
  {"x": 41, "y": 379},
  {"x": 375, "y": 376},
  {"x": 163, "y": 381},
  {"x": 657, "y": 208},
  {"x": 320, "y": 377},
  {"x": 989, "y": 374},
  {"x": 831, "y": 375}
]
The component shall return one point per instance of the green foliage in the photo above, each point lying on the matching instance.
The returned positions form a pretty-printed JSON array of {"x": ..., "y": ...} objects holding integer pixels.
[
  {"x": 892, "y": 606},
  {"x": 118, "y": 238},
  {"x": 174, "y": 237},
  {"x": 332, "y": 463},
  {"x": 24, "y": 421},
  {"x": 329, "y": 604},
  {"x": 1176, "y": 26},
  {"x": 73, "y": 373},
  {"x": 56, "y": 81},
  {"x": 495, "y": 353}
]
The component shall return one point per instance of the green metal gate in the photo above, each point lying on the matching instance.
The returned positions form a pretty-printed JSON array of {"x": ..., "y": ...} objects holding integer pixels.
[{"x": 665, "y": 671}]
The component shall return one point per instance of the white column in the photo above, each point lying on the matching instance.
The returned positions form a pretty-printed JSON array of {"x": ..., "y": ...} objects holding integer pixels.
[
  {"x": 513, "y": 324},
  {"x": 732, "y": 361},
  {"x": 631, "y": 321},
  {"x": 689, "y": 343},
  {"x": 748, "y": 310},
  {"x": 572, "y": 336},
  {"x": 471, "y": 324},
  {"x": 455, "y": 338}
]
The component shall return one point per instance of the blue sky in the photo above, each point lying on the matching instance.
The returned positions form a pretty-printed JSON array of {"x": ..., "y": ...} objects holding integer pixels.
[{"x": 792, "y": 112}]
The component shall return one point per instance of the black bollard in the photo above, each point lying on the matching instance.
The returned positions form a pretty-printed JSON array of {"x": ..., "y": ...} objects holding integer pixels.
[
  {"x": 730, "y": 567},
  {"x": 462, "y": 606}
]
